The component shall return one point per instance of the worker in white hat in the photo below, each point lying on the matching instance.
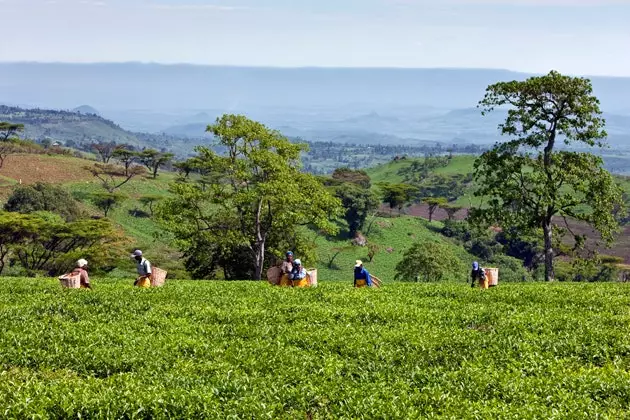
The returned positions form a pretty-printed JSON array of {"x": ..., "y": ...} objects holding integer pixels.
[
  {"x": 81, "y": 270},
  {"x": 298, "y": 274},
  {"x": 143, "y": 266},
  {"x": 361, "y": 275}
]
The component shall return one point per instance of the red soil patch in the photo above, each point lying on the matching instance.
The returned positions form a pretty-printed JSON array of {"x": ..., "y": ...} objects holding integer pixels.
[
  {"x": 53, "y": 169},
  {"x": 29, "y": 169}
]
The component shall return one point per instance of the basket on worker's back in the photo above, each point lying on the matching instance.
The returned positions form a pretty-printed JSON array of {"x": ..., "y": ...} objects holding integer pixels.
[
  {"x": 158, "y": 277},
  {"x": 376, "y": 282},
  {"x": 311, "y": 275},
  {"x": 273, "y": 275},
  {"x": 69, "y": 281},
  {"x": 493, "y": 276}
]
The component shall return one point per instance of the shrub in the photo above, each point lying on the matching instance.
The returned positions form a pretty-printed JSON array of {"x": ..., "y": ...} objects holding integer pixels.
[
  {"x": 43, "y": 197},
  {"x": 429, "y": 261},
  {"x": 510, "y": 269}
]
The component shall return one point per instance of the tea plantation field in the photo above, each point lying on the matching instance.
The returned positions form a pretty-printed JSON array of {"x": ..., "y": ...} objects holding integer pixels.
[{"x": 246, "y": 350}]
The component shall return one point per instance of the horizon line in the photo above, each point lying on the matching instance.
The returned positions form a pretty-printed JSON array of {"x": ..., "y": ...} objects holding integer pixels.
[{"x": 305, "y": 67}]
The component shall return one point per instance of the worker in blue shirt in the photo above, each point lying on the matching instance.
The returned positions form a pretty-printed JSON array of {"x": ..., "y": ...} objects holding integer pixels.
[{"x": 361, "y": 275}]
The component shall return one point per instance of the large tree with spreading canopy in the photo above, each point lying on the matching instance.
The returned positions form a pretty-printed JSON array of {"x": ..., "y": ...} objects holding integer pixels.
[{"x": 528, "y": 181}]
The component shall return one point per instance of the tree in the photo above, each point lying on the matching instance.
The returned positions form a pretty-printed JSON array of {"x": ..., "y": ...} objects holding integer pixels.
[
  {"x": 357, "y": 177},
  {"x": 256, "y": 198},
  {"x": 185, "y": 168},
  {"x": 9, "y": 143},
  {"x": 150, "y": 201},
  {"x": 429, "y": 261},
  {"x": 44, "y": 242},
  {"x": 396, "y": 195},
  {"x": 154, "y": 160},
  {"x": 126, "y": 157},
  {"x": 112, "y": 176},
  {"x": 9, "y": 130},
  {"x": 526, "y": 181},
  {"x": 106, "y": 202},
  {"x": 434, "y": 203},
  {"x": 43, "y": 197},
  {"x": 358, "y": 203},
  {"x": 105, "y": 151},
  {"x": 451, "y": 210}
]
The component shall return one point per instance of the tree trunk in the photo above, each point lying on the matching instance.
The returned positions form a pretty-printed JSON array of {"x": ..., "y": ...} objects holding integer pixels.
[
  {"x": 259, "y": 261},
  {"x": 547, "y": 229}
]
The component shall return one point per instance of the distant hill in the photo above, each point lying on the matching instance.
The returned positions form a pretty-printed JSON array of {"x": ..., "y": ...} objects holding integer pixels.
[
  {"x": 66, "y": 126},
  {"x": 86, "y": 109},
  {"x": 82, "y": 128},
  {"x": 155, "y": 86}
]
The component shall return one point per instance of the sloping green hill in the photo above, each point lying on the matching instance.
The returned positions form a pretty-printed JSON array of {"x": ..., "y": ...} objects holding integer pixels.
[
  {"x": 389, "y": 172},
  {"x": 392, "y": 236}
]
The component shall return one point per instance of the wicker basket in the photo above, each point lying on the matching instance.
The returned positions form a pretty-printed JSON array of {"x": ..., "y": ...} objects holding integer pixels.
[
  {"x": 376, "y": 282},
  {"x": 493, "y": 276},
  {"x": 69, "y": 281},
  {"x": 158, "y": 277},
  {"x": 311, "y": 275},
  {"x": 273, "y": 275}
]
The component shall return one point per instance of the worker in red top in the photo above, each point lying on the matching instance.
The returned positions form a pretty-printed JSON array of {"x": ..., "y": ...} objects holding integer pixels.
[{"x": 81, "y": 271}]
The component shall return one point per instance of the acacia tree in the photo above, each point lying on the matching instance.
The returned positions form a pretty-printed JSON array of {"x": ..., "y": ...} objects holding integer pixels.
[
  {"x": 113, "y": 177},
  {"x": 126, "y": 157},
  {"x": 105, "y": 151},
  {"x": 154, "y": 160},
  {"x": 397, "y": 195},
  {"x": 255, "y": 199},
  {"x": 434, "y": 203},
  {"x": 9, "y": 143},
  {"x": 106, "y": 202},
  {"x": 526, "y": 181}
]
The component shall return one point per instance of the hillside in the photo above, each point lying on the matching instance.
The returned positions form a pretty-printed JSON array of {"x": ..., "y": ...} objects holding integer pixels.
[{"x": 81, "y": 127}]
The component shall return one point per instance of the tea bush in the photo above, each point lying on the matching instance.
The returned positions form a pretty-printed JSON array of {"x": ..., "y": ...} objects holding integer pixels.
[{"x": 246, "y": 350}]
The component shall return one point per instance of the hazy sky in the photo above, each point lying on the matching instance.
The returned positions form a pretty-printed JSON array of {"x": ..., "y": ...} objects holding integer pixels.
[{"x": 574, "y": 36}]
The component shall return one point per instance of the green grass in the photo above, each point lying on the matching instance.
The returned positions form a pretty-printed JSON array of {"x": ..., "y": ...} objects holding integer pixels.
[
  {"x": 396, "y": 233},
  {"x": 388, "y": 172},
  {"x": 144, "y": 232},
  {"x": 246, "y": 350}
]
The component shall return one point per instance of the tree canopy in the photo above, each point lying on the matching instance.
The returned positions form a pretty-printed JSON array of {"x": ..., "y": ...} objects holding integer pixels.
[
  {"x": 43, "y": 197},
  {"x": 526, "y": 181},
  {"x": 253, "y": 203},
  {"x": 428, "y": 261}
]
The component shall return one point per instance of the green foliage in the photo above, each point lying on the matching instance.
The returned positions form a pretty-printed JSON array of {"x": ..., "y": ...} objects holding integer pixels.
[
  {"x": 429, "y": 261},
  {"x": 113, "y": 177},
  {"x": 253, "y": 199},
  {"x": 525, "y": 181},
  {"x": 358, "y": 204},
  {"x": 397, "y": 195},
  {"x": 104, "y": 151},
  {"x": 126, "y": 157},
  {"x": 106, "y": 202},
  {"x": 150, "y": 201},
  {"x": 9, "y": 130},
  {"x": 358, "y": 177},
  {"x": 419, "y": 170},
  {"x": 44, "y": 242},
  {"x": 434, "y": 203},
  {"x": 9, "y": 141},
  {"x": 233, "y": 350},
  {"x": 586, "y": 270},
  {"x": 43, "y": 197},
  {"x": 154, "y": 160}
]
